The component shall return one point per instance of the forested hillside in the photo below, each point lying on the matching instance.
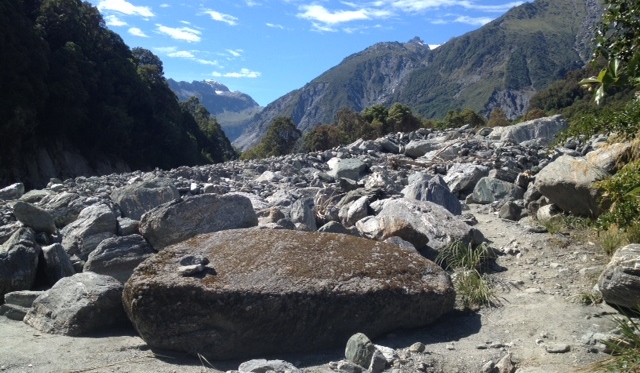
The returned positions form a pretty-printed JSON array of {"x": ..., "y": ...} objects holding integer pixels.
[{"x": 76, "y": 99}]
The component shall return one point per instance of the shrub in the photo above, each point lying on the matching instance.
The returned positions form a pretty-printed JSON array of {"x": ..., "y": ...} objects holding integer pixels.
[{"x": 622, "y": 193}]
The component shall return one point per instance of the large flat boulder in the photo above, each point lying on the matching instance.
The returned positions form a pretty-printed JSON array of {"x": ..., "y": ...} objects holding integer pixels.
[
  {"x": 567, "y": 181},
  {"x": 619, "y": 283},
  {"x": 182, "y": 219},
  {"x": 273, "y": 291},
  {"x": 80, "y": 304},
  {"x": 541, "y": 131}
]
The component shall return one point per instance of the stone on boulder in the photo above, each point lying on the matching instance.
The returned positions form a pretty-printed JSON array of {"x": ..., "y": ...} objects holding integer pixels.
[
  {"x": 94, "y": 224},
  {"x": 119, "y": 256},
  {"x": 619, "y": 283},
  {"x": 566, "y": 182},
  {"x": 18, "y": 261},
  {"x": 489, "y": 190},
  {"x": 34, "y": 217},
  {"x": 80, "y": 304},
  {"x": 136, "y": 199},
  {"x": 57, "y": 263},
  {"x": 182, "y": 219},
  {"x": 317, "y": 289},
  {"x": 418, "y": 222}
]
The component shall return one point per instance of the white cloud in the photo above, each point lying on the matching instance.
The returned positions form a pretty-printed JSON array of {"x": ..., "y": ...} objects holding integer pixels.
[
  {"x": 113, "y": 20},
  {"x": 220, "y": 17},
  {"x": 164, "y": 5},
  {"x": 125, "y": 7},
  {"x": 474, "y": 21},
  {"x": 181, "y": 54},
  {"x": 243, "y": 73},
  {"x": 166, "y": 49},
  {"x": 183, "y": 33},
  {"x": 235, "y": 53},
  {"x": 137, "y": 32},
  {"x": 319, "y": 13},
  {"x": 185, "y": 22},
  {"x": 207, "y": 62},
  {"x": 412, "y": 6},
  {"x": 252, "y": 3},
  {"x": 273, "y": 25}
]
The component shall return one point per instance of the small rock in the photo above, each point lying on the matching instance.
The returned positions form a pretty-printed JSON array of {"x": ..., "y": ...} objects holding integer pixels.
[
  {"x": 557, "y": 348},
  {"x": 417, "y": 347}
]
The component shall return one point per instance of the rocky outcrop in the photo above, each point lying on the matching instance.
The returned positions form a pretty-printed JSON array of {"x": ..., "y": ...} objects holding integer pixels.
[
  {"x": 182, "y": 219},
  {"x": 18, "y": 262},
  {"x": 259, "y": 285},
  {"x": 136, "y": 199},
  {"x": 77, "y": 305},
  {"x": 619, "y": 283}
]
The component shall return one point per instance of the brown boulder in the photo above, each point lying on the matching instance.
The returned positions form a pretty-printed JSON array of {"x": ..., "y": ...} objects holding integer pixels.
[{"x": 248, "y": 292}]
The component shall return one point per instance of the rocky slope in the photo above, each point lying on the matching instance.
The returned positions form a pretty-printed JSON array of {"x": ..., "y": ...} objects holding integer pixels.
[
  {"x": 502, "y": 64},
  {"x": 418, "y": 192}
]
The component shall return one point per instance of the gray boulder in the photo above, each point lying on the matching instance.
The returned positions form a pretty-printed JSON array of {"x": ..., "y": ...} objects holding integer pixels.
[
  {"x": 610, "y": 157},
  {"x": 567, "y": 181},
  {"x": 18, "y": 261},
  {"x": 136, "y": 199},
  {"x": 94, "y": 224},
  {"x": 17, "y": 304},
  {"x": 80, "y": 304},
  {"x": 463, "y": 177},
  {"x": 540, "y": 132},
  {"x": 119, "y": 256},
  {"x": 360, "y": 350},
  {"x": 489, "y": 190},
  {"x": 333, "y": 227},
  {"x": 418, "y": 222},
  {"x": 317, "y": 289},
  {"x": 34, "y": 217},
  {"x": 351, "y": 168},
  {"x": 57, "y": 263},
  {"x": 433, "y": 190},
  {"x": 64, "y": 207},
  {"x": 267, "y": 366},
  {"x": 12, "y": 192},
  {"x": 302, "y": 212},
  {"x": 183, "y": 219},
  {"x": 418, "y": 148},
  {"x": 619, "y": 283}
]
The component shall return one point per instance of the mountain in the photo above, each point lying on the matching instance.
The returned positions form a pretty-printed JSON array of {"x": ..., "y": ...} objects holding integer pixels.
[
  {"x": 232, "y": 109},
  {"x": 502, "y": 64}
]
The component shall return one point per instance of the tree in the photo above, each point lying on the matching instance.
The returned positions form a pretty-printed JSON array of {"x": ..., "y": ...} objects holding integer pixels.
[
  {"x": 401, "y": 119},
  {"x": 497, "y": 118},
  {"x": 323, "y": 137},
  {"x": 618, "y": 42},
  {"x": 280, "y": 139}
]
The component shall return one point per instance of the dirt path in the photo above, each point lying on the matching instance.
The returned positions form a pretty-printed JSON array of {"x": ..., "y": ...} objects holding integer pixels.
[{"x": 540, "y": 286}]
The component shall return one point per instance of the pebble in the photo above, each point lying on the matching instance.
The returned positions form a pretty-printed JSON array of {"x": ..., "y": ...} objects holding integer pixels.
[
  {"x": 533, "y": 290},
  {"x": 557, "y": 348}
]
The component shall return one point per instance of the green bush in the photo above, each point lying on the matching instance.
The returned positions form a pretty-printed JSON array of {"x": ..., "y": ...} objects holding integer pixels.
[{"x": 622, "y": 193}]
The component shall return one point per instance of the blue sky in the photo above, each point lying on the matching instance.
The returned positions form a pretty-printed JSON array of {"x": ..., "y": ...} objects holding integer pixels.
[{"x": 267, "y": 48}]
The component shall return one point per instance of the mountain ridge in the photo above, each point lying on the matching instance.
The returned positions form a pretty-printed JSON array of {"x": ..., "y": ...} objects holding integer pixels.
[{"x": 501, "y": 64}]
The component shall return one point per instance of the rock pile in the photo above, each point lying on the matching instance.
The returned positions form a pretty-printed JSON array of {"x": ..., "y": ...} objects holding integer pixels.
[{"x": 244, "y": 251}]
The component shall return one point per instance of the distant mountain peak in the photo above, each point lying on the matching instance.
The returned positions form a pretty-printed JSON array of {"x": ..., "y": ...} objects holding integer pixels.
[{"x": 418, "y": 41}]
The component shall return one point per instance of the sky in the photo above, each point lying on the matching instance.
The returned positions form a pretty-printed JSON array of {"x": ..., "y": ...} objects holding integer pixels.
[{"x": 267, "y": 48}]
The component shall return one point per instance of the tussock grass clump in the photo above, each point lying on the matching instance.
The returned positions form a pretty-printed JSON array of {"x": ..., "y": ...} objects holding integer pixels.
[{"x": 473, "y": 287}]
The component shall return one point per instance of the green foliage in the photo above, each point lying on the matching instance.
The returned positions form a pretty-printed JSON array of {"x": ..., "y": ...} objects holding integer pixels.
[
  {"x": 68, "y": 82},
  {"x": 622, "y": 193},
  {"x": 280, "y": 139},
  {"x": 459, "y": 255},
  {"x": 467, "y": 262},
  {"x": 457, "y": 119},
  {"x": 611, "y": 239},
  {"x": 626, "y": 347},
  {"x": 323, "y": 137}
]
